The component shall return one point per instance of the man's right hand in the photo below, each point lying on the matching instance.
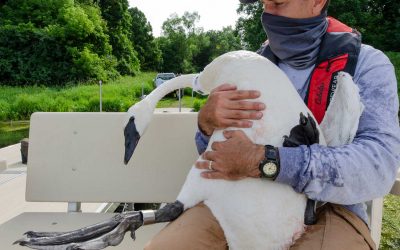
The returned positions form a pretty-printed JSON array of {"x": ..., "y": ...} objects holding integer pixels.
[{"x": 227, "y": 107}]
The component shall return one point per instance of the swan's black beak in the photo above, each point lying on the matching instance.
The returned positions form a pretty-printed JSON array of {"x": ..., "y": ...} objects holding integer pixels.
[{"x": 132, "y": 138}]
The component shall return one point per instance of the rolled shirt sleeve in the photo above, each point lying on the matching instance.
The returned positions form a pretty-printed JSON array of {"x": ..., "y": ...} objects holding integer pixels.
[{"x": 201, "y": 141}]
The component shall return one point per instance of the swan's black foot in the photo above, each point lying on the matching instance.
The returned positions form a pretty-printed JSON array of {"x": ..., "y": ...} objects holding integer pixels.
[
  {"x": 101, "y": 235},
  {"x": 98, "y": 236},
  {"x": 132, "y": 138},
  {"x": 306, "y": 133}
]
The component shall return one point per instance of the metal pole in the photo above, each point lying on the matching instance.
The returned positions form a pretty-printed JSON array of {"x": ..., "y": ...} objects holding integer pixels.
[
  {"x": 180, "y": 101},
  {"x": 142, "y": 97},
  {"x": 101, "y": 102},
  {"x": 192, "y": 98}
]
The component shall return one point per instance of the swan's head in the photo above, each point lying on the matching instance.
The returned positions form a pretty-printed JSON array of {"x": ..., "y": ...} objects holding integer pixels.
[{"x": 139, "y": 116}]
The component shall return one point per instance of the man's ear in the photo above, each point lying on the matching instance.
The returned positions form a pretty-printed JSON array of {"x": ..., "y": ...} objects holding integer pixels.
[{"x": 318, "y": 6}]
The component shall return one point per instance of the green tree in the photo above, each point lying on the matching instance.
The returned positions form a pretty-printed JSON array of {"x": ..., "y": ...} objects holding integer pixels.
[
  {"x": 53, "y": 42},
  {"x": 143, "y": 41},
  {"x": 249, "y": 26},
  {"x": 177, "y": 44},
  {"x": 377, "y": 20},
  {"x": 187, "y": 48},
  {"x": 115, "y": 13},
  {"x": 212, "y": 44}
]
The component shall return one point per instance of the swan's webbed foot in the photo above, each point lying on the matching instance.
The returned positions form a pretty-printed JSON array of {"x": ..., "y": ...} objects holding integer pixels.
[
  {"x": 108, "y": 233},
  {"x": 306, "y": 133},
  {"x": 132, "y": 138},
  {"x": 101, "y": 235}
]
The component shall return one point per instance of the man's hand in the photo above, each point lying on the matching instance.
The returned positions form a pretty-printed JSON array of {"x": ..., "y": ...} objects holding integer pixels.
[
  {"x": 226, "y": 107},
  {"x": 236, "y": 158}
]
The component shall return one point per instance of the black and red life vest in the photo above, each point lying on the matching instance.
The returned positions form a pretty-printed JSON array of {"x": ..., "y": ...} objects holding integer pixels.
[{"x": 339, "y": 50}]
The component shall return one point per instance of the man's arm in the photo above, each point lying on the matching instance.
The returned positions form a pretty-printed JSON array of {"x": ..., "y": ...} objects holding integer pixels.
[
  {"x": 349, "y": 174},
  {"x": 364, "y": 169}
]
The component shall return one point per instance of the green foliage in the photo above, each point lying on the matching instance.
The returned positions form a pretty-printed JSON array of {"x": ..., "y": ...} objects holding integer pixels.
[
  {"x": 377, "y": 20},
  {"x": 176, "y": 54},
  {"x": 143, "y": 41},
  {"x": 186, "y": 48},
  {"x": 249, "y": 26},
  {"x": 198, "y": 104},
  {"x": 13, "y": 132},
  {"x": 119, "y": 21},
  {"x": 391, "y": 223},
  {"x": 53, "y": 42},
  {"x": 18, "y": 103}
]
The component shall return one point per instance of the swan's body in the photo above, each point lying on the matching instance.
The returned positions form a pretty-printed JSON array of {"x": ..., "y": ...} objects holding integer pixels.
[{"x": 254, "y": 213}]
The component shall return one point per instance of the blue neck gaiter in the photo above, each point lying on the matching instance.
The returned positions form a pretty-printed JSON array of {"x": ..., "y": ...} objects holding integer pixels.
[{"x": 295, "y": 41}]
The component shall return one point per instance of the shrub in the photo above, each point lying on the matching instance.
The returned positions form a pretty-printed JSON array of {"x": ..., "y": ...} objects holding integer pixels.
[
  {"x": 53, "y": 42},
  {"x": 4, "y": 110},
  {"x": 198, "y": 104}
]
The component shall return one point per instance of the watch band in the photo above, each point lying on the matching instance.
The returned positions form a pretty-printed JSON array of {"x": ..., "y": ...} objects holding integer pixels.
[{"x": 270, "y": 166}]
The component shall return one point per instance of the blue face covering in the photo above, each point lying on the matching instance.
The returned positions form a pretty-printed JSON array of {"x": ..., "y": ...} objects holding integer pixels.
[{"x": 295, "y": 41}]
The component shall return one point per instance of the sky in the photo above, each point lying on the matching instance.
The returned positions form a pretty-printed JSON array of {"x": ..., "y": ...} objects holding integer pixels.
[{"x": 214, "y": 14}]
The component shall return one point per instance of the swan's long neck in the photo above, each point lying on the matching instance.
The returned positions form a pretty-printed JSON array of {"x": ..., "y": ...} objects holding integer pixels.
[
  {"x": 143, "y": 110},
  {"x": 182, "y": 81}
]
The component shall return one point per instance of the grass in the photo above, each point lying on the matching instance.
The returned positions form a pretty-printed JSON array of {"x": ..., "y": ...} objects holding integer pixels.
[
  {"x": 18, "y": 103},
  {"x": 391, "y": 223},
  {"x": 13, "y": 132}
]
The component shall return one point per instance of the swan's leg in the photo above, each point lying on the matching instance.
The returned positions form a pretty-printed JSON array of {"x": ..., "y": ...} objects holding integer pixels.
[
  {"x": 170, "y": 212},
  {"x": 96, "y": 234},
  {"x": 100, "y": 235}
]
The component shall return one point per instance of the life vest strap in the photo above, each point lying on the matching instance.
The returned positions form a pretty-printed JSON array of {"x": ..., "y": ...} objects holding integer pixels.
[{"x": 323, "y": 83}]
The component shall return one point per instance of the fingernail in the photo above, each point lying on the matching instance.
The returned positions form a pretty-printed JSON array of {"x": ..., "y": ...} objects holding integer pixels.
[
  {"x": 261, "y": 106},
  {"x": 249, "y": 124},
  {"x": 259, "y": 114}
]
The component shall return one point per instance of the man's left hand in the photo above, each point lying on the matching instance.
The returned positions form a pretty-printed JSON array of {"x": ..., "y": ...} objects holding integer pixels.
[{"x": 236, "y": 158}]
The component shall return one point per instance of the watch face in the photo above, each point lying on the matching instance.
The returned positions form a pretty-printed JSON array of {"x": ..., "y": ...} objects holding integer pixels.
[{"x": 270, "y": 169}]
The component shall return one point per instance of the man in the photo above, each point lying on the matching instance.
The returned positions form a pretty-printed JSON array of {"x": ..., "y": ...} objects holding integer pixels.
[{"x": 342, "y": 177}]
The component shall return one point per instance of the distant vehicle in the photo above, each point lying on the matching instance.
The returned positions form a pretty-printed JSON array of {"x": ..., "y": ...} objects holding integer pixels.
[{"x": 163, "y": 77}]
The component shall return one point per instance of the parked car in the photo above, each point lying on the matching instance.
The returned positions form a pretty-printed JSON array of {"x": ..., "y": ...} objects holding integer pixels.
[{"x": 163, "y": 77}]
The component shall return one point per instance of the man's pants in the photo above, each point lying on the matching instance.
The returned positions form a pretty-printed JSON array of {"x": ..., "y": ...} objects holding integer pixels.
[{"x": 336, "y": 228}]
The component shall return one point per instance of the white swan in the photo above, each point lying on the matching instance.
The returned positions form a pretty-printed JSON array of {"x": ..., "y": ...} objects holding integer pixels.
[{"x": 254, "y": 213}]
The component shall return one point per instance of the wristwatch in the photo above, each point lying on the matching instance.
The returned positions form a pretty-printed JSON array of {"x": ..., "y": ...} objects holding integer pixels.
[{"x": 269, "y": 167}]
